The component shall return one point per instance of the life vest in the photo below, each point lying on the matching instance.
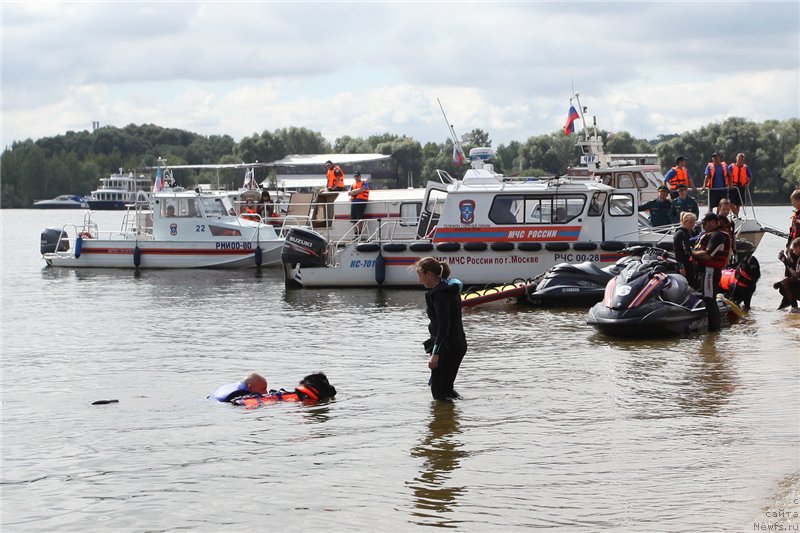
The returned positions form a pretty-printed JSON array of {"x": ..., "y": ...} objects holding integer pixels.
[
  {"x": 794, "y": 229},
  {"x": 335, "y": 178},
  {"x": 300, "y": 394},
  {"x": 739, "y": 175},
  {"x": 230, "y": 392},
  {"x": 249, "y": 213},
  {"x": 721, "y": 259},
  {"x": 681, "y": 177},
  {"x": 363, "y": 194},
  {"x": 712, "y": 169}
]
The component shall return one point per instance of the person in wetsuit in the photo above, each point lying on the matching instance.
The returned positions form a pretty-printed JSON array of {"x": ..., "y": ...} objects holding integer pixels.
[
  {"x": 682, "y": 247},
  {"x": 447, "y": 343}
]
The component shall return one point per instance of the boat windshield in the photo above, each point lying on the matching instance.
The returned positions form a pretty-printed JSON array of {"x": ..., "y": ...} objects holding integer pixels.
[{"x": 213, "y": 207}]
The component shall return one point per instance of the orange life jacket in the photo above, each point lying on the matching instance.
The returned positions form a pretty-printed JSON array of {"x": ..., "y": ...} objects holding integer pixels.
[
  {"x": 249, "y": 213},
  {"x": 335, "y": 178},
  {"x": 739, "y": 175},
  {"x": 363, "y": 194},
  {"x": 719, "y": 260},
  {"x": 681, "y": 177},
  {"x": 712, "y": 169},
  {"x": 303, "y": 393}
]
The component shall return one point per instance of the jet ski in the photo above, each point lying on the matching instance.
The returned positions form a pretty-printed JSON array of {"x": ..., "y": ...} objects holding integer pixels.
[
  {"x": 583, "y": 284},
  {"x": 645, "y": 299}
]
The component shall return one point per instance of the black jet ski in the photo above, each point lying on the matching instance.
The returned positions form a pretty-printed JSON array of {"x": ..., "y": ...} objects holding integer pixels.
[
  {"x": 646, "y": 300},
  {"x": 583, "y": 284}
]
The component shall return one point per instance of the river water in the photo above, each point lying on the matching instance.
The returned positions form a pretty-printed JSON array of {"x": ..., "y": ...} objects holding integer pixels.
[{"x": 559, "y": 427}]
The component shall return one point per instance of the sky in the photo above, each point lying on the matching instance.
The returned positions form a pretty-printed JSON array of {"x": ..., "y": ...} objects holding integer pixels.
[{"x": 366, "y": 68}]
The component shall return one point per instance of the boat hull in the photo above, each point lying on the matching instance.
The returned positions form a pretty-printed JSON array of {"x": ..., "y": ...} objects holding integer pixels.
[
  {"x": 356, "y": 268},
  {"x": 107, "y": 205},
  {"x": 97, "y": 253},
  {"x": 655, "y": 319}
]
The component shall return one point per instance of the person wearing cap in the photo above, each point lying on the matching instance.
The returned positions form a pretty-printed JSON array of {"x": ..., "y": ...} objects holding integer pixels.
[
  {"x": 684, "y": 204},
  {"x": 717, "y": 180},
  {"x": 335, "y": 177},
  {"x": 740, "y": 177},
  {"x": 677, "y": 176},
  {"x": 711, "y": 254},
  {"x": 359, "y": 194},
  {"x": 660, "y": 209}
]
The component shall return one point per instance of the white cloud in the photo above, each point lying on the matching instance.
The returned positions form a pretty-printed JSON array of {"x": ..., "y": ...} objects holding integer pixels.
[{"x": 364, "y": 68}]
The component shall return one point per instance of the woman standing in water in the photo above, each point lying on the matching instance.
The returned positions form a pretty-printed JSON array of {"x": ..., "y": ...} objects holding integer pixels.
[{"x": 447, "y": 343}]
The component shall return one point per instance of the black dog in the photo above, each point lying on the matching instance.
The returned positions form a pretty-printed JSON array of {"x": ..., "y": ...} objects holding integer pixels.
[
  {"x": 316, "y": 384},
  {"x": 748, "y": 271}
]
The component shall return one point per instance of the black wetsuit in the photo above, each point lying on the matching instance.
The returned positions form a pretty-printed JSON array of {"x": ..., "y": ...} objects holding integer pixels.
[
  {"x": 447, "y": 337},
  {"x": 682, "y": 246}
]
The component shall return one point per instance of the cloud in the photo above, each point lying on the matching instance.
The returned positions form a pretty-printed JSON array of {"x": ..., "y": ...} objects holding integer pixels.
[{"x": 364, "y": 68}]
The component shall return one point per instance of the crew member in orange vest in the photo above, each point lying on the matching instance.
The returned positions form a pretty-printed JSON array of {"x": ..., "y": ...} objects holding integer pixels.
[
  {"x": 677, "y": 176},
  {"x": 359, "y": 194},
  {"x": 740, "y": 176},
  {"x": 717, "y": 180},
  {"x": 335, "y": 177},
  {"x": 249, "y": 211}
]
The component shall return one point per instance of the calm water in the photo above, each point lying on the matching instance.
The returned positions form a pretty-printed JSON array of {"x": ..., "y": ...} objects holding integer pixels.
[{"x": 559, "y": 427}]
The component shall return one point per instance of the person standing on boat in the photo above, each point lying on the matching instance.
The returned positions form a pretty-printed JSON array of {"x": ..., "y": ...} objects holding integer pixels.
[
  {"x": 717, "y": 180},
  {"x": 677, "y": 176},
  {"x": 740, "y": 177},
  {"x": 682, "y": 247},
  {"x": 447, "y": 343},
  {"x": 684, "y": 204},
  {"x": 711, "y": 253},
  {"x": 660, "y": 209},
  {"x": 335, "y": 177},
  {"x": 359, "y": 195}
]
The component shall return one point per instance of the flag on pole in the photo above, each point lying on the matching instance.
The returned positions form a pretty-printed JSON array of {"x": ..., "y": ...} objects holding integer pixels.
[
  {"x": 572, "y": 116},
  {"x": 158, "y": 186},
  {"x": 457, "y": 157}
]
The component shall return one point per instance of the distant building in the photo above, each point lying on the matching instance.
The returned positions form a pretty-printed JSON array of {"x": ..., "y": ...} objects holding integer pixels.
[{"x": 306, "y": 171}]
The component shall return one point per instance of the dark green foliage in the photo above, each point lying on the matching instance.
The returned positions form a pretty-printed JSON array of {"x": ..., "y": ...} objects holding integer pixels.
[{"x": 75, "y": 162}]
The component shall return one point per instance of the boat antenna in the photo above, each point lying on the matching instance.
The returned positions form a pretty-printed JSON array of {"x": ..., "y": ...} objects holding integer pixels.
[
  {"x": 581, "y": 112},
  {"x": 456, "y": 141}
]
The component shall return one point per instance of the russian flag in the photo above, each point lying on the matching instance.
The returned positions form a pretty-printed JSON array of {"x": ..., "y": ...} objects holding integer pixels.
[
  {"x": 159, "y": 183},
  {"x": 572, "y": 116},
  {"x": 457, "y": 158}
]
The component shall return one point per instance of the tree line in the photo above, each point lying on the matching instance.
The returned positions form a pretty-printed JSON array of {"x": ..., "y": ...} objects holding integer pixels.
[{"x": 74, "y": 162}]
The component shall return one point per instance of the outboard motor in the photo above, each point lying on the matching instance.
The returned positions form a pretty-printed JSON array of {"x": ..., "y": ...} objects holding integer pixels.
[
  {"x": 305, "y": 248},
  {"x": 50, "y": 241}
]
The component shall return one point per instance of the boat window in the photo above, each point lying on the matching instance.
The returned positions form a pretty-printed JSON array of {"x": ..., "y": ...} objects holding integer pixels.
[
  {"x": 620, "y": 205},
  {"x": 213, "y": 207},
  {"x": 567, "y": 208},
  {"x": 641, "y": 183},
  {"x": 218, "y": 231},
  {"x": 435, "y": 201},
  {"x": 596, "y": 207},
  {"x": 409, "y": 213},
  {"x": 507, "y": 210},
  {"x": 179, "y": 207},
  {"x": 625, "y": 181}
]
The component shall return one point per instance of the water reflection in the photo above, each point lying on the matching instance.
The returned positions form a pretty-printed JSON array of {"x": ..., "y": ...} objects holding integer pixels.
[
  {"x": 712, "y": 379},
  {"x": 442, "y": 451}
]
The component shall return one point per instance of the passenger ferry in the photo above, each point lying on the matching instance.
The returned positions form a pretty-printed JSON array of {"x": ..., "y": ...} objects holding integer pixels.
[{"x": 120, "y": 190}]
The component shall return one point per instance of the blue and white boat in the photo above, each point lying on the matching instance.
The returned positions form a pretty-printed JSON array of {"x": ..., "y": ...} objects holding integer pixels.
[{"x": 65, "y": 201}]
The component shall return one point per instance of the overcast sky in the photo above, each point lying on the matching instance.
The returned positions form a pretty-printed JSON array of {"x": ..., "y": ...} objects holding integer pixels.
[{"x": 366, "y": 68}]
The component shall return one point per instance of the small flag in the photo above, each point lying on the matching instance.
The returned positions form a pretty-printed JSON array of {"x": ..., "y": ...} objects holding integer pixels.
[
  {"x": 249, "y": 179},
  {"x": 457, "y": 157},
  {"x": 158, "y": 186},
  {"x": 572, "y": 116}
]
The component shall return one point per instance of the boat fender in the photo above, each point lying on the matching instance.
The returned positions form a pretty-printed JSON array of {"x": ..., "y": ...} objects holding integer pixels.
[
  {"x": 368, "y": 247},
  {"x": 420, "y": 247},
  {"x": 475, "y": 246},
  {"x": 502, "y": 246},
  {"x": 394, "y": 247},
  {"x": 557, "y": 246},
  {"x": 380, "y": 269},
  {"x": 584, "y": 246},
  {"x": 258, "y": 256},
  {"x": 78, "y": 246},
  {"x": 448, "y": 246},
  {"x": 137, "y": 256},
  {"x": 529, "y": 246},
  {"x": 612, "y": 246}
]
